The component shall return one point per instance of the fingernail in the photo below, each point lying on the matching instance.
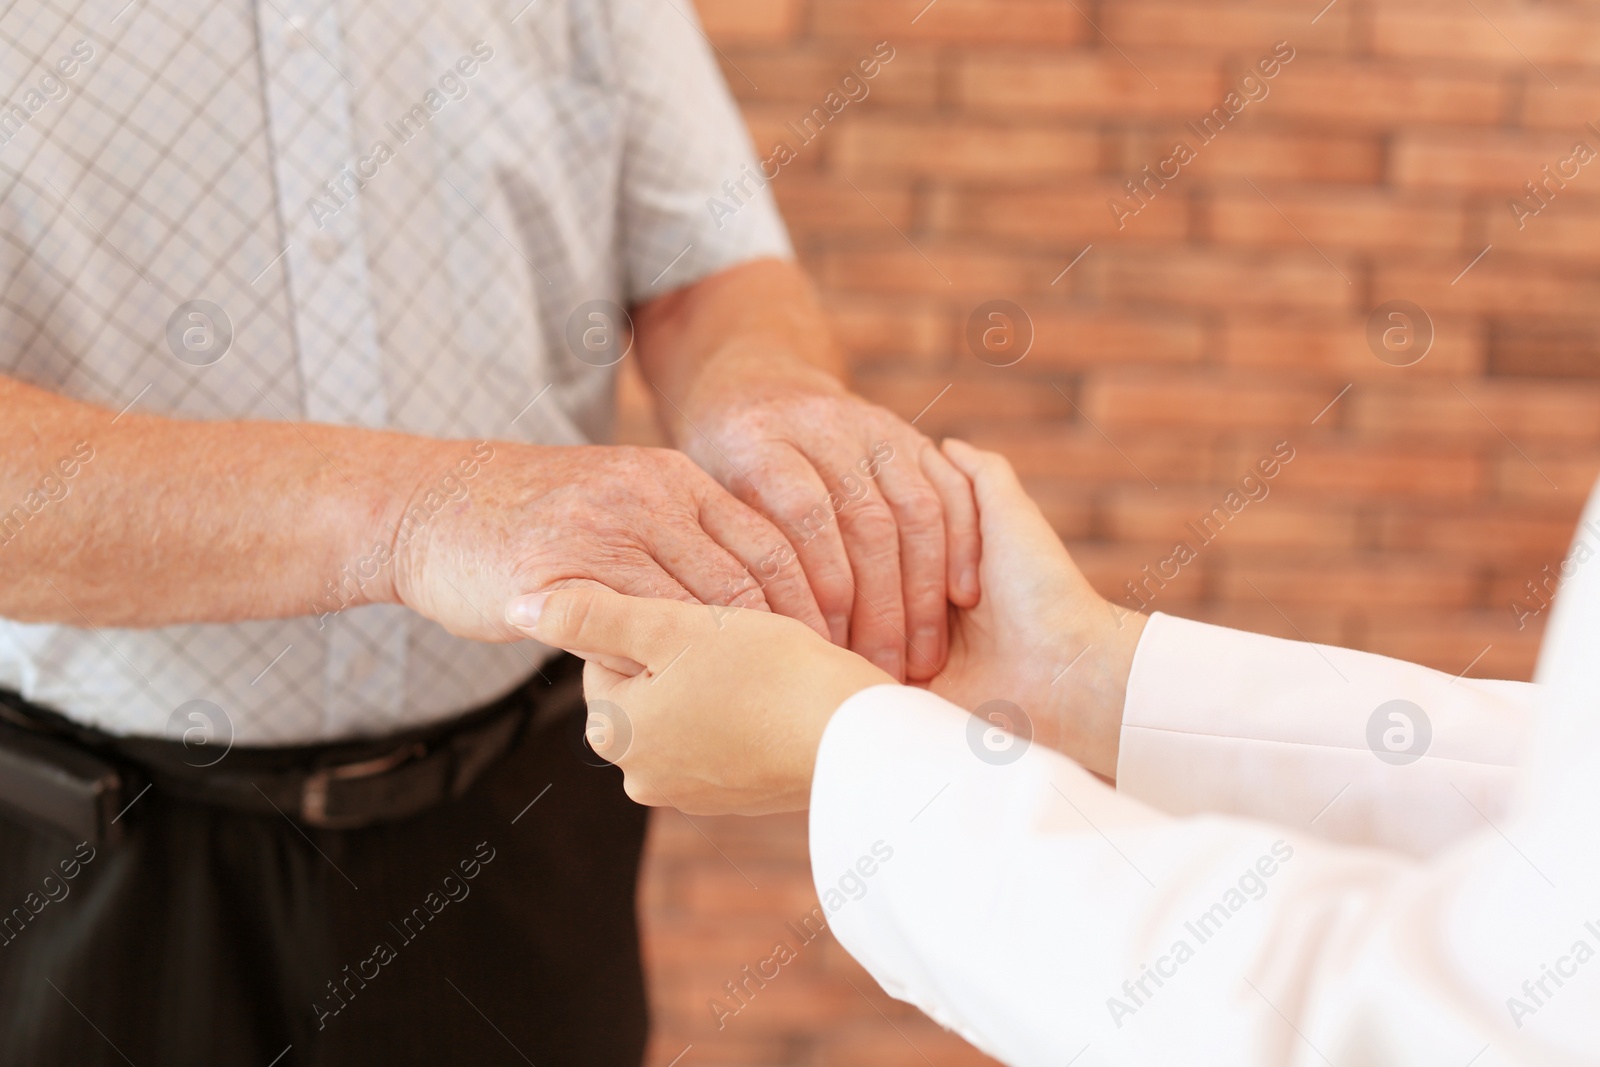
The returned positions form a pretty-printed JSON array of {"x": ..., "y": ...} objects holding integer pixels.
[
  {"x": 969, "y": 581},
  {"x": 524, "y": 612},
  {"x": 839, "y": 628},
  {"x": 926, "y": 642},
  {"x": 889, "y": 661}
]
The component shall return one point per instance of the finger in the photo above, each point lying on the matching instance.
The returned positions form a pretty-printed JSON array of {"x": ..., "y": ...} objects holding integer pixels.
[
  {"x": 786, "y": 488},
  {"x": 1006, "y": 513},
  {"x": 647, "y": 580},
  {"x": 919, "y": 516},
  {"x": 766, "y": 556},
  {"x": 695, "y": 558},
  {"x": 595, "y": 620},
  {"x": 963, "y": 545},
  {"x": 872, "y": 543}
]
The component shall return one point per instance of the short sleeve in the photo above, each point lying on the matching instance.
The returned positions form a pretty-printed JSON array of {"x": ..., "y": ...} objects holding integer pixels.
[{"x": 694, "y": 198}]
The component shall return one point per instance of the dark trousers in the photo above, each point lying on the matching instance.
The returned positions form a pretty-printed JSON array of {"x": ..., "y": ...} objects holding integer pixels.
[{"x": 218, "y": 937}]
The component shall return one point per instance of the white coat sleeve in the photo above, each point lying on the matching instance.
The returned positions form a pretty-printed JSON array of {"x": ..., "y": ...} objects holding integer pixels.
[
  {"x": 1051, "y": 920},
  {"x": 1358, "y": 748}
]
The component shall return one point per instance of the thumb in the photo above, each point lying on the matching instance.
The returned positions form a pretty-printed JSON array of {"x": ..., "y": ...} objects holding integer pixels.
[
  {"x": 594, "y": 621},
  {"x": 1007, "y": 515}
]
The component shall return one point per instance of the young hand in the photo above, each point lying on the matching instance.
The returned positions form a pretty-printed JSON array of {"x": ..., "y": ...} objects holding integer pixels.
[
  {"x": 1041, "y": 637},
  {"x": 726, "y": 709}
]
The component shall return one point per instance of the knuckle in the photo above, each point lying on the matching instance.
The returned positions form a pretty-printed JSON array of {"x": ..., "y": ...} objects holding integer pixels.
[
  {"x": 920, "y": 506},
  {"x": 803, "y": 515},
  {"x": 671, "y": 462},
  {"x": 573, "y": 615},
  {"x": 876, "y": 529}
]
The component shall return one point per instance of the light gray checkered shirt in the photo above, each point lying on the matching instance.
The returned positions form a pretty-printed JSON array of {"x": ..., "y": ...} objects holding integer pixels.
[{"x": 397, "y": 205}]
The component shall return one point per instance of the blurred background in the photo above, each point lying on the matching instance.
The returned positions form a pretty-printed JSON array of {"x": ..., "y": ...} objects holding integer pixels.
[{"x": 1168, "y": 355}]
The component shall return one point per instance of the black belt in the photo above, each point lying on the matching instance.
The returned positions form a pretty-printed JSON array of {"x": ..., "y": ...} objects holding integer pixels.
[{"x": 79, "y": 779}]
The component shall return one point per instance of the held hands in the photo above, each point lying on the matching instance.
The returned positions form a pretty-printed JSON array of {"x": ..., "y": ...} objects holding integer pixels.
[
  {"x": 727, "y": 718},
  {"x": 645, "y": 521},
  {"x": 883, "y": 524}
]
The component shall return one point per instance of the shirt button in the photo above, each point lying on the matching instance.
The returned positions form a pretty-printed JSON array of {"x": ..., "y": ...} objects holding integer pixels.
[
  {"x": 326, "y": 247},
  {"x": 295, "y": 36}
]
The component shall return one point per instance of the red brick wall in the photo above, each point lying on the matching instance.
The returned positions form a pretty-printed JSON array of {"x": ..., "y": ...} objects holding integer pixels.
[{"x": 1227, "y": 315}]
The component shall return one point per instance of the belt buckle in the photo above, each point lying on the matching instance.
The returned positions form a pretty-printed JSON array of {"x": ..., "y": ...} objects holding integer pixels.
[{"x": 314, "y": 791}]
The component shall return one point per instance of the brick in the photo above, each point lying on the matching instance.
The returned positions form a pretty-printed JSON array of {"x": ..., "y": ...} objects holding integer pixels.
[
  {"x": 1529, "y": 476},
  {"x": 1323, "y": 627},
  {"x": 1260, "y": 152},
  {"x": 1489, "y": 536},
  {"x": 1567, "y": 108},
  {"x": 889, "y": 330},
  {"x": 1522, "y": 591},
  {"x": 1354, "y": 474},
  {"x": 805, "y": 76},
  {"x": 1365, "y": 94},
  {"x": 789, "y": 1002},
  {"x": 1335, "y": 346},
  {"x": 1509, "y": 36},
  {"x": 1450, "y": 644},
  {"x": 883, "y": 147},
  {"x": 1070, "y": 510},
  {"x": 1181, "y": 515},
  {"x": 1062, "y": 215},
  {"x": 1508, "y": 415},
  {"x": 965, "y": 23},
  {"x": 948, "y": 270},
  {"x": 718, "y": 949},
  {"x": 1088, "y": 83},
  {"x": 768, "y": 126},
  {"x": 1499, "y": 164},
  {"x": 667, "y": 1045},
  {"x": 916, "y": 1046},
  {"x": 1213, "y": 402},
  {"x": 1094, "y": 340},
  {"x": 1334, "y": 217},
  {"x": 743, "y": 21},
  {"x": 972, "y": 400},
  {"x": 1243, "y": 30},
  {"x": 726, "y": 890},
  {"x": 1080, "y": 455},
  {"x": 1554, "y": 350},
  {"x": 1113, "y": 568},
  {"x": 814, "y": 203},
  {"x": 771, "y": 839},
  {"x": 1080, "y": 339},
  {"x": 1565, "y": 228},
  {"x": 1226, "y": 279},
  {"x": 1501, "y": 283},
  {"x": 1375, "y": 583}
]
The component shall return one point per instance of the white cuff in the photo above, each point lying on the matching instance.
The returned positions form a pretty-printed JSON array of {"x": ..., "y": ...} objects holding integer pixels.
[{"x": 1229, "y": 722}]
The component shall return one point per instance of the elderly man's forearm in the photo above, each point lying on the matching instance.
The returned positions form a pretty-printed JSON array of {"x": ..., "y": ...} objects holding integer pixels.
[{"x": 140, "y": 521}]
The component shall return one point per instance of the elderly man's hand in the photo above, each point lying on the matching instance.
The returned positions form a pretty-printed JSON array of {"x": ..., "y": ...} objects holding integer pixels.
[
  {"x": 884, "y": 525},
  {"x": 644, "y": 521}
]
